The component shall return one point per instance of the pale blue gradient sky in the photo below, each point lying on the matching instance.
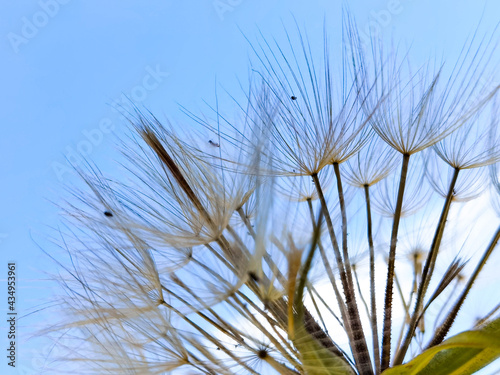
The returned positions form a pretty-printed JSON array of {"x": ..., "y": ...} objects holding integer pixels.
[{"x": 78, "y": 58}]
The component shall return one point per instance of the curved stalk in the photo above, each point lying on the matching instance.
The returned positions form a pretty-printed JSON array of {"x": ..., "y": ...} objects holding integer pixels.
[
  {"x": 331, "y": 277},
  {"x": 373, "y": 305},
  {"x": 358, "y": 286},
  {"x": 345, "y": 253},
  {"x": 386, "y": 336},
  {"x": 347, "y": 262},
  {"x": 358, "y": 346},
  {"x": 427, "y": 271}
]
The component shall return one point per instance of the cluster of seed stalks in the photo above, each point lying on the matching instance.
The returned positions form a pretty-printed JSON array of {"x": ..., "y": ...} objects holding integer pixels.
[{"x": 242, "y": 251}]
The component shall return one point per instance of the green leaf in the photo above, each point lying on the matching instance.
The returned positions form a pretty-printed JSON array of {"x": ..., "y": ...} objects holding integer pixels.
[{"x": 462, "y": 354}]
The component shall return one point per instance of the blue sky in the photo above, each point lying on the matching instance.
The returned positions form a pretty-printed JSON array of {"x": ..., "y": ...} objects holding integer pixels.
[{"x": 66, "y": 64}]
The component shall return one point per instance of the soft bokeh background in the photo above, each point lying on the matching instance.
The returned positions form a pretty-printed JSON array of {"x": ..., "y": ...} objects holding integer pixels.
[{"x": 66, "y": 66}]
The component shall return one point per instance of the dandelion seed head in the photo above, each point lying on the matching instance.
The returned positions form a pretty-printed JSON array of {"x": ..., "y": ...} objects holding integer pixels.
[
  {"x": 240, "y": 247},
  {"x": 416, "y": 196}
]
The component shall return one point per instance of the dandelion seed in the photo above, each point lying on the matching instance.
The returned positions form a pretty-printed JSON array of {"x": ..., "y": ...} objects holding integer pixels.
[{"x": 108, "y": 214}]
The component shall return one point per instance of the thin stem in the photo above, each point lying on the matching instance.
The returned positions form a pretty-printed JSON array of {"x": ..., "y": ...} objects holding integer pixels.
[
  {"x": 386, "y": 338},
  {"x": 417, "y": 272},
  {"x": 320, "y": 316},
  {"x": 445, "y": 304},
  {"x": 406, "y": 308},
  {"x": 329, "y": 272},
  {"x": 306, "y": 267},
  {"x": 347, "y": 261},
  {"x": 427, "y": 271},
  {"x": 442, "y": 331},
  {"x": 358, "y": 345},
  {"x": 373, "y": 315},
  {"x": 356, "y": 279},
  {"x": 327, "y": 306},
  {"x": 489, "y": 315},
  {"x": 345, "y": 253}
]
